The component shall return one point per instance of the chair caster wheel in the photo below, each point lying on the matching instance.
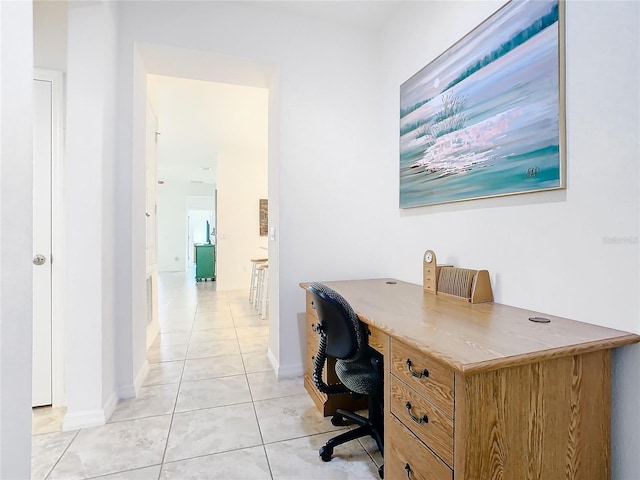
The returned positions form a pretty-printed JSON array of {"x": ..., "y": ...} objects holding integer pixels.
[
  {"x": 340, "y": 421},
  {"x": 381, "y": 471},
  {"x": 326, "y": 453}
]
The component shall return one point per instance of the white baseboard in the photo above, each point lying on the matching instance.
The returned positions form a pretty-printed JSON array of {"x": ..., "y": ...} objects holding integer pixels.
[
  {"x": 75, "y": 421},
  {"x": 142, "y": 376},
  {"x": 131, "y": 390},
  {"x": 127, "y": 391},
  {"x": 153, "y": 329},
  {"x": 90, "y": 418},
  {"x": 288, "y": 371},
  {"x": 110, "y": 405},
  {"x": 273, "y": 361}
]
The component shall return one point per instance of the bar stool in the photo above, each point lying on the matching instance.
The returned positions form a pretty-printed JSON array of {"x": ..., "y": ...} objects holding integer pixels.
[
  {"x": 264, "y": 297},
  {"x": 260, "y": 274},
  {"x": 253, "y": 289}
]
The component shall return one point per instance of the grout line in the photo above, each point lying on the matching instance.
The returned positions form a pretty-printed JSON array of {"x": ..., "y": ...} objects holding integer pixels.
[
  {"x": 124, "y": 471},
  {"x": 62, "y": 454},
  {"x": 253, "y": 402},
  {"x": 264, "y": 448},
  {"x": 175, "y": 403}
]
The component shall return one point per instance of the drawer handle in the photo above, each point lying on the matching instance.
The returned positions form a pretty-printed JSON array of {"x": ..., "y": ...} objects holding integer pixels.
[
  {"x": 424, "y": 373},
  {"x": 422, "y": 419},
  {"x": 407, "y": 468}
]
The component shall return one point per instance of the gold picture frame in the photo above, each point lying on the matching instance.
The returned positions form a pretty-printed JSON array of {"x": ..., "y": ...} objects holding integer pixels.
[{"x": 264, "y": 217}]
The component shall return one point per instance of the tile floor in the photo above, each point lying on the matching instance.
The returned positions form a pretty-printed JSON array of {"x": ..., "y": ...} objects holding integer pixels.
[{"x": 211, "y": 407}]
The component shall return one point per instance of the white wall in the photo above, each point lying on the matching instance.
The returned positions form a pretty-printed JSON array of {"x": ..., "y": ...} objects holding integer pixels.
[
  {"x": 16, "y": 139},
  {"x": 551, "y": 251},
  {"x": 50, "y": 34},
  {"x": 174, "y": 202},
  {"x": 242, "y": 182},
  {"x": 89, "y": 213},
  {"x": 198, "y": 227},
  {"x": 172, "y": 227}
]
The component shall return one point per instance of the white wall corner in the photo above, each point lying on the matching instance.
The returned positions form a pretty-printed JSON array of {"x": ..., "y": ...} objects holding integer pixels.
[
  {"x": 287, "y": 371},
  {"x": 275, "y": 364},
  {"x": 141, "y": 376},
  {"x": 132, "y": 390},
  {"x": 110, "y": 406},
  {"x": 90, "y": 418}
]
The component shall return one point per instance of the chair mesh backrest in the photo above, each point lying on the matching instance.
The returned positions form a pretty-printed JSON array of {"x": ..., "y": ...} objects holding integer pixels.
[{"x": 340, "y": 324}]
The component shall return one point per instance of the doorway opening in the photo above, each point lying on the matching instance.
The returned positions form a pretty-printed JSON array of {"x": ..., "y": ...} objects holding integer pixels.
[
  {"x": 212, "y": 170},
  {"x": 235, "y": 83}
]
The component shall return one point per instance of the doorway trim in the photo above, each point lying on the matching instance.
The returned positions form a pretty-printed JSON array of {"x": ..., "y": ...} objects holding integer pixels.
[{"x": 57, "y": 262}]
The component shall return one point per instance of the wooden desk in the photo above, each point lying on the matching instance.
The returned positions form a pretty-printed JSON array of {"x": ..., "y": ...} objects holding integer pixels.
[{"x": 504, "y": 398}]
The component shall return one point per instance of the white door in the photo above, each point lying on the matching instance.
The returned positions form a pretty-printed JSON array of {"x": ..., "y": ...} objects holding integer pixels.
[
  {"x": 153, "y": 325},
  {"x": 42, "y": 156}
]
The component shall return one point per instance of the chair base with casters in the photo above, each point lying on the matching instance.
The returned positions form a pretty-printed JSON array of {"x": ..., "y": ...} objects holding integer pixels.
[{"x": 367, "y": 427}]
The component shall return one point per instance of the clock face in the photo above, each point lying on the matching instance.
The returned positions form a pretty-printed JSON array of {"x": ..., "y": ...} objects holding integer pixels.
[{"x": 428, "y": 257}]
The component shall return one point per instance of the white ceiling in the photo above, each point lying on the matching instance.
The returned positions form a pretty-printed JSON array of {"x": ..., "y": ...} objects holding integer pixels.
[
  {"x": 198, "y": 120},
  {"x": 368, "y": 15},
  {"x": 197, "y": 117}
]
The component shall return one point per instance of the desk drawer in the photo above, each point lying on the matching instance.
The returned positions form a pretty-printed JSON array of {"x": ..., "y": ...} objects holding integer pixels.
[
  {"x": 378, "y": 340},
  {"x": 310, "y": 310},
  {"x": 436, "y": 385},
  {"x": 408, "y": 457},
  {"x": 436, "y": 430}
]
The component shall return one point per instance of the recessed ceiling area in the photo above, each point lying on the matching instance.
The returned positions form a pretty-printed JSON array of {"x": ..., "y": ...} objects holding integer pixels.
[{"x": 199, "y": 119}]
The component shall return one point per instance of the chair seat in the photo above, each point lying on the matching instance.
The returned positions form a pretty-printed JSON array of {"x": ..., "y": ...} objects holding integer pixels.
[{"x": 359, "y": 376}]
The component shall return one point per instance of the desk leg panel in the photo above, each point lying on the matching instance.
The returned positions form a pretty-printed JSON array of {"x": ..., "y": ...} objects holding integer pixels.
[{"x": 547, "y": 420}]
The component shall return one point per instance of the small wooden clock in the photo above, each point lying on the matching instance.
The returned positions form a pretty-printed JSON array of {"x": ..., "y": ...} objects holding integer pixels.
[{"x": 429, "y": 272}]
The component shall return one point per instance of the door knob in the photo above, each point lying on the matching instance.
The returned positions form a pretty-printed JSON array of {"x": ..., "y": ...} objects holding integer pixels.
[{"x": 39, "y": 259}]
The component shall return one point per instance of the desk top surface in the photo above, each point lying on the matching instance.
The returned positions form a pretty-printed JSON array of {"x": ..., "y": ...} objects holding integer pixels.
[{"x": 469, "y": 337}]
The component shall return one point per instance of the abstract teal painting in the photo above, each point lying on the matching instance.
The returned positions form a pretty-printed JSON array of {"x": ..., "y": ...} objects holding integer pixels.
[{"x": 486, "y": 117}]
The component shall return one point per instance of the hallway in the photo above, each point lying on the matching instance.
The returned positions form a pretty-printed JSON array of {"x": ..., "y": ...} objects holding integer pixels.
[{"x": 211, "y": 407}]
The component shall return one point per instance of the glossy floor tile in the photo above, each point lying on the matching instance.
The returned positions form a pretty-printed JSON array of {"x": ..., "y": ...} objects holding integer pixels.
[
  {"x": 213, "y": 430},
  {"x": 114, "y": 447},
  {"x": 213, "y": 392},
  {"x": 150, "y": 401},
  {"x": 163, "y": 373},
  {"x": 46, "y": 419},
  {"x": 298, "y": 458},
  {"x": 46, "y": 450},
  {"x": 291, "y": 417},
  {"x": 244, "y": 464},
  {"x": 203, "y": 368},
  {"x": 265, "y": 386},
  {"x": 210, "y": 407}
]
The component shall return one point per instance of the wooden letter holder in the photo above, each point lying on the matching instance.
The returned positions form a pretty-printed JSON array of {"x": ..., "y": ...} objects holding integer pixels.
[{"x": 472, "y": 285}]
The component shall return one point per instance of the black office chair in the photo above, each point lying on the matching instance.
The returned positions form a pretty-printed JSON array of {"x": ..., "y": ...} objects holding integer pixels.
[{"x": 358, "y": 367}]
